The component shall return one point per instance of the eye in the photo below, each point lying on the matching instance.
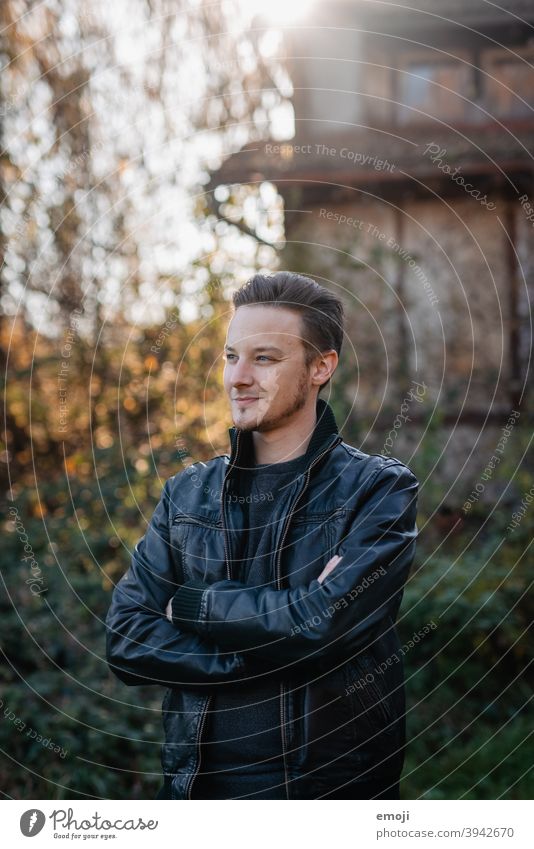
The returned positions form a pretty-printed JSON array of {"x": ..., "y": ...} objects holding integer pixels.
[
  {"x": 263, "y": 356},
  {"x": 228, "y": 356}
]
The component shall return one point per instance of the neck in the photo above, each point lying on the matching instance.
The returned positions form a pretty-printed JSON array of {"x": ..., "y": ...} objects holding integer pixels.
[{"x": 287, "y": 442}]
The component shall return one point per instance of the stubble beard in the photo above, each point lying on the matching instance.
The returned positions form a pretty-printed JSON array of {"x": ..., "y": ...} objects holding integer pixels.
[{"x": 270, "y": 422}]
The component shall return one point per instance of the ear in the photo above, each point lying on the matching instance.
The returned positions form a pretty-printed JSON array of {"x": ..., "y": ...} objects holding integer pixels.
[{"x": 324, "y": 367}]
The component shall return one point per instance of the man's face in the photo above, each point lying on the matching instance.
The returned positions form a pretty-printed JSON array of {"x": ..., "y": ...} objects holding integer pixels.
[{"x": 264, "y": 357}]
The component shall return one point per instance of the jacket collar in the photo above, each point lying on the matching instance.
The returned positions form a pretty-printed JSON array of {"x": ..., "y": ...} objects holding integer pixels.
[{"x": 325, "y": 433}]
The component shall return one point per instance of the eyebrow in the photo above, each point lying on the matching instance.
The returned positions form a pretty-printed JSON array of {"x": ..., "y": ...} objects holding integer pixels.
[{"x": 258, "y": 348}]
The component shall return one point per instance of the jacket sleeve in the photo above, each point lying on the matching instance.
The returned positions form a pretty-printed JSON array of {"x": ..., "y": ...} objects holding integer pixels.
[
  {"x": 142, "y": 646},
  {"x": 348, "y": 609}
]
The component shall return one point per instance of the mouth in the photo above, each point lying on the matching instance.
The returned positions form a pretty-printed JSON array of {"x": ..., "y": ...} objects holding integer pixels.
[{"x": 245, "y": 400}]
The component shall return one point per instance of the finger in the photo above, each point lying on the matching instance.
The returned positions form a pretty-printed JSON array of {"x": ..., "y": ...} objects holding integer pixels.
[{"x": 334, "y": 560}]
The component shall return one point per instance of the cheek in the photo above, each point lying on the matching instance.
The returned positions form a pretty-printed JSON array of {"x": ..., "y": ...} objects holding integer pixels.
[{"x": 271, "y": 382}]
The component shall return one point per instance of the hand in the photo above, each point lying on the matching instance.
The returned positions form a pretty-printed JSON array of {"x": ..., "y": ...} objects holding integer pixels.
[
  {"x": 330, "y": 566},
  {"x": 168, "y": 611}
]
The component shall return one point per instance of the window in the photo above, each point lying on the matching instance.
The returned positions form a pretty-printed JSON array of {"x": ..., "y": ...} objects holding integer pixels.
[
  {"x": 510, "y": 86},
  {"x": 435, "y": 89}
]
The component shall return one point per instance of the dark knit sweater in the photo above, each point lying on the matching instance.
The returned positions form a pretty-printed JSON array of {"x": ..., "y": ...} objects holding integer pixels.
[{"x": 241, "y": 755}]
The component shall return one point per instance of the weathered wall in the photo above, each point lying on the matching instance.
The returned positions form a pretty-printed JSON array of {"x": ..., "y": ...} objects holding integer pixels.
[{"x": 439, "y": 270}]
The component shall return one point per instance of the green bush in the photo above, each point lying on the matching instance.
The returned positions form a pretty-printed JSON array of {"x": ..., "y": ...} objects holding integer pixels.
[{"x": 465, "y": 679}]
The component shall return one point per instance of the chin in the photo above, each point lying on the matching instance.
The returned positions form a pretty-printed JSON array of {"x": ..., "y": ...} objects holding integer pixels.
[
  {"x": 251, "y": 424},
  {"x": 249, "y": 419}
]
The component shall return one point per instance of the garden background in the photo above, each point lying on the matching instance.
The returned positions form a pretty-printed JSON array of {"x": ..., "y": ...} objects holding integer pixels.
[{"x": 118, "y": 265}]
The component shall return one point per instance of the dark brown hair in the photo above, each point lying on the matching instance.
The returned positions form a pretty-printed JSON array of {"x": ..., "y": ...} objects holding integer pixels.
[{"x": 321, "y": 311}]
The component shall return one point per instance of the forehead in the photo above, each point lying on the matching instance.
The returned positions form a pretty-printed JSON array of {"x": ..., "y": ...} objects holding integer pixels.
[{"x": 253, "y": 324}]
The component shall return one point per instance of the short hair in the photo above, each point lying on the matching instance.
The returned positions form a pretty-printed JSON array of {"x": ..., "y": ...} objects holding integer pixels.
[{"x": 321, "y": 311}]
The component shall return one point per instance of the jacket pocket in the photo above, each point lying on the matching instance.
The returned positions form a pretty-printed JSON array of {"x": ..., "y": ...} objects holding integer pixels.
[
  {"x": 367, "y": 692},
  {"x": 322, "y": 721},
  {"x": 179, "y": 712},
  {"x": 201, "y": 546}
]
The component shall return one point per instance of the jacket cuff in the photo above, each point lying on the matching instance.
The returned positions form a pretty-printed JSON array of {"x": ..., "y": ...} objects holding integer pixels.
[{"x": 186, "y": 603}]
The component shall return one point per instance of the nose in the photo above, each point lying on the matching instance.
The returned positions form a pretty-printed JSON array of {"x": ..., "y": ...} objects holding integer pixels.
[{"x": 241, "y": 373}]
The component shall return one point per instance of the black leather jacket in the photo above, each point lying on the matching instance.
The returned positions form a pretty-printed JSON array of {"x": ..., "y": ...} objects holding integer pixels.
[{"x": 333, "y": 647}]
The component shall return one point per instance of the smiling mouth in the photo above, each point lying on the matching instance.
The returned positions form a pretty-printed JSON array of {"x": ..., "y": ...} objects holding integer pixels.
[{"x": 245, "y": 400}]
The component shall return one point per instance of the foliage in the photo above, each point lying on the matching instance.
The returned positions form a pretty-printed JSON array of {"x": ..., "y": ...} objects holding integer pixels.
[
  {"x": 467, "y": 680},
  {"x": 116, "y": 276}
]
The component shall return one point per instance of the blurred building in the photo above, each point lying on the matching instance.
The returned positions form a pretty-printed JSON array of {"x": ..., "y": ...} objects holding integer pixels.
[{"x": 409, "y": 183}]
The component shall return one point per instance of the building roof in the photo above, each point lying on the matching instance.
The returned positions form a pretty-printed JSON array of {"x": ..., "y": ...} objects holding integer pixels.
[
  {"x": 491, "y": 148},
  {"x": 372, "y": 155}
]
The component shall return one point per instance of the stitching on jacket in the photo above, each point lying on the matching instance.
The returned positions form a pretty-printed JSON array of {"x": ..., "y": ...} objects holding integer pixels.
[
  {"x": 202, "y": 615},
  {"x": 387, "y": 465},
  {"x": 387, "y": 461},
  {"x": 323, "y": 517},
  {"x": 186, "y": 572}
]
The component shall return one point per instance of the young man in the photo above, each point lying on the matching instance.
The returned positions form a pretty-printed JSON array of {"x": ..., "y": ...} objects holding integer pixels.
[{"x": 265, "y": 590}]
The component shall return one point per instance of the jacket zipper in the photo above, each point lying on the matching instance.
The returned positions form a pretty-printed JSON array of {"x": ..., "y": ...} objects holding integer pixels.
[
  {"x": 223, "y": 488},
  {"x": 208, "y": 700},
  {"x": 198, "y": 747},
  {"x": 189, "y": 520},
  {"x": 279, "y": 586}
]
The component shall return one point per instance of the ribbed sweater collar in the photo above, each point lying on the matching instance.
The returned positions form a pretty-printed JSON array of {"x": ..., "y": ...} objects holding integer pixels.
[{"x": 325, "y": 431}]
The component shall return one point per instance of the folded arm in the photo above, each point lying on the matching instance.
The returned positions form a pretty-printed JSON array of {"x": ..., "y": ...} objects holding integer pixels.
[
  {"x": 316, "y": 621},
  {"x": 142, "y": 646}
]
